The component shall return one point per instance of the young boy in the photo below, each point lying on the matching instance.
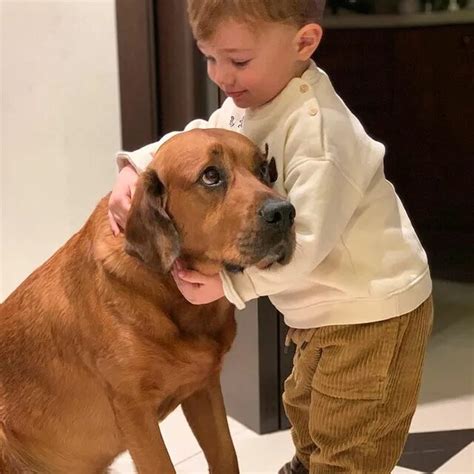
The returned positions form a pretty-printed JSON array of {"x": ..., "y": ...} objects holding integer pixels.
[{"x": 357, "y": 293}]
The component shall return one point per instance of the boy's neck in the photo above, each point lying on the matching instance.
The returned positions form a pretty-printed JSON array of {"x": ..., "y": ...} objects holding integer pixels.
[{"x": 301, "y": 68}]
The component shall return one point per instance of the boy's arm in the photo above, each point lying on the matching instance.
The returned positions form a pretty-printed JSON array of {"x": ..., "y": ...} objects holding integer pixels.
[{"x": 324, "y": 199}]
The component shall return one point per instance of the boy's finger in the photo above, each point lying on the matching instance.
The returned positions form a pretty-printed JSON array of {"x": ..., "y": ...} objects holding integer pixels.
[
  {"x": 175, "y": 276},
  {"x": 125, "y": 204},
  {"x": 121, "y": 220},
  {"x": 191, "y": 276},
  {"x": 183, "y": 285},
  {"x": 113, "y": 224},
  {"x": 187, "y": 286}
]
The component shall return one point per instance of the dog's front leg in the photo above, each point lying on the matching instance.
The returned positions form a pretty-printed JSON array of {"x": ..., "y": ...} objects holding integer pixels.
[
  {"x": 207, "y": 418},
  {"x": 139, "y": 426}
]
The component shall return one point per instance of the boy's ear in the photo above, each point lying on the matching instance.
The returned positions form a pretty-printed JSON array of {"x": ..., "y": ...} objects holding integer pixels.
[{"x": 307, "y": 40}]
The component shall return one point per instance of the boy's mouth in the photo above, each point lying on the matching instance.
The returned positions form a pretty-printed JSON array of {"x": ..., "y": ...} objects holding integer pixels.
[{"x": 234, "y": 94}]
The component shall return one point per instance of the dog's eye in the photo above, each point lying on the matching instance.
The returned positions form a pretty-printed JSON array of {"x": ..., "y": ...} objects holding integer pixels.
[{"x": 211, "y": 176}]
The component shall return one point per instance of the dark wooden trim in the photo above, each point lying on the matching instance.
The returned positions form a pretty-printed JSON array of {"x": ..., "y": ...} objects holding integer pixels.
[
  {"x": 268, "y": 364},
  {"x": 250, "y": 377},
  {"x": 163, "y": 83},
  {"x": 137, "y": 70},
  {"x": 285, "y": 366},
  {"x": 181, "y": 70}
]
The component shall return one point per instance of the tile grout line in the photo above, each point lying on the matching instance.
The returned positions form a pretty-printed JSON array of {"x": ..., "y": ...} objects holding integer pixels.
[{"x": 189, "y": 457}]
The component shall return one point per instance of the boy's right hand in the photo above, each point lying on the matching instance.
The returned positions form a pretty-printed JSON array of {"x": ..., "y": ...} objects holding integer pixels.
[{"x": 121, "y": 198}]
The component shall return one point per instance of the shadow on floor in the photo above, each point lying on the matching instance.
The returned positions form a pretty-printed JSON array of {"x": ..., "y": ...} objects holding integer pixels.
[
  {"x": 448, "y": 367},
  {"x": 426, "y": 452}
]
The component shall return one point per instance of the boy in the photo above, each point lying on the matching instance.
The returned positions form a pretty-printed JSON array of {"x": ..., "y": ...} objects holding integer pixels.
[{"x": 357, "y": 293}]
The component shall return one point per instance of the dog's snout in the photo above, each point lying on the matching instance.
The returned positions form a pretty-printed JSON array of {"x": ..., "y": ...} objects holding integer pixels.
[{"x": 277, "y": 213}]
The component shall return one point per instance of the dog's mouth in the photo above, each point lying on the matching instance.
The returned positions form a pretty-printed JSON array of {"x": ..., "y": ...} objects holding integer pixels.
[
  {"x": 281, "y": 257},
  {"x": 233, "y": 267},
  {"x": 280, "y": 253}
]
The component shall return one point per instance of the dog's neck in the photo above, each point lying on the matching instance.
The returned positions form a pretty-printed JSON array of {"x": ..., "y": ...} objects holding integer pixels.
[{"x": 202, "y": 265}]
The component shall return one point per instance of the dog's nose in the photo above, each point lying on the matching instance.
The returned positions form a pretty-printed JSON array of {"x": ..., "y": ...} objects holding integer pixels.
[{"x": 279, "y": 213}]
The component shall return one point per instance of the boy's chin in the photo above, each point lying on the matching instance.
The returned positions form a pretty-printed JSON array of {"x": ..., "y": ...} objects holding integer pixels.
[
  {"x": 240, "y": 102},
  {"x": 245, "y": 102}
]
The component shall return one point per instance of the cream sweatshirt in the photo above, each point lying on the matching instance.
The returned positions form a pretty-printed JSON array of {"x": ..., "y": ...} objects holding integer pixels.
[{"x": 357, "y": 257}]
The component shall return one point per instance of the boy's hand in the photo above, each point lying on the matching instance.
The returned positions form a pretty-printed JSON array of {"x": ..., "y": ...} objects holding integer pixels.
[
  {"x": 121, "y": 198},
  {"x": 196, "y": 287}
]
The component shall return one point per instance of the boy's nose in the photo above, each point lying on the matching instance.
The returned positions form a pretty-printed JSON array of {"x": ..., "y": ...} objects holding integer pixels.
[{"x": 225, "y": 79}]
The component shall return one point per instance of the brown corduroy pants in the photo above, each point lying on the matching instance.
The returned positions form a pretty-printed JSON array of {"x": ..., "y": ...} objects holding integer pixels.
[{"x": 353, "y": 392}]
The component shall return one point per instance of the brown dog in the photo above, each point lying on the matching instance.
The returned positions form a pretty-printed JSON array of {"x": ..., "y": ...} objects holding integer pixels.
[{"x": 97, "y": 345}]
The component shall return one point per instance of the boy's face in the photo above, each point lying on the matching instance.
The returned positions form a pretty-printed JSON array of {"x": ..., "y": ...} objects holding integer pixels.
[{"x": 252, "y": 67}]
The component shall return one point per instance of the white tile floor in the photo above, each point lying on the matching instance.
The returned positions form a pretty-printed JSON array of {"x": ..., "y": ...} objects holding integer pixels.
[{"x": 446, "y": 401}]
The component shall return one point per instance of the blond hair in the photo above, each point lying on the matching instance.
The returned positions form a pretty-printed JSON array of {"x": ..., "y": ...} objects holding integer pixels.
[{"x": 204, "y": 15}]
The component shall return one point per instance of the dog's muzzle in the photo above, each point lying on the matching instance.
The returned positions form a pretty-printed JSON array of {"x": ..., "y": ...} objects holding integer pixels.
[{"x": 273, "y": 237}]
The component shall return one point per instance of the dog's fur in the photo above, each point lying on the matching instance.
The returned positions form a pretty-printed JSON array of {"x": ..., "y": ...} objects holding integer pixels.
[{"x": 97, "y": 345}]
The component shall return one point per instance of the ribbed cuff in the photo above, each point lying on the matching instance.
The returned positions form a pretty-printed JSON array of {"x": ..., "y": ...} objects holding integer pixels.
[
  {"x": 139, "y": 159},
  {"x": 238, "y": 288}
]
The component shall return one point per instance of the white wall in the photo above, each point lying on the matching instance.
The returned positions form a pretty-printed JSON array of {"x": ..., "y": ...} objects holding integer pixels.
[{"x": 60, "y": 124}]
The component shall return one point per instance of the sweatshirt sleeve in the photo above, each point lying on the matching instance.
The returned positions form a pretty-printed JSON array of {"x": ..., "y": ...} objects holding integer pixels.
[
  {"x": 324, "y": 199},
  {"x": 142, "y": 157}
]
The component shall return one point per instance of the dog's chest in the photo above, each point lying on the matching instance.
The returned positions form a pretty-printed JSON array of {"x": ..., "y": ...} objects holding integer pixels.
[
  {"x": 168, "y": 369},
  {"x": 195, "y": 364}
]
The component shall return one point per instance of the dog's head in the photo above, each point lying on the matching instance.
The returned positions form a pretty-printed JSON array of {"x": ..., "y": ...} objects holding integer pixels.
[{"x": 207, "y": 197}]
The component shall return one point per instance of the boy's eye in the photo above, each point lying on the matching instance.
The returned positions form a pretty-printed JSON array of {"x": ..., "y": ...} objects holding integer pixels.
[{"x": 240, "y": 63}]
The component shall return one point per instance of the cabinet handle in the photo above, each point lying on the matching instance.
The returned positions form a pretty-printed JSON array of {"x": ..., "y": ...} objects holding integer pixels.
[{"x": 467, "y": 40}]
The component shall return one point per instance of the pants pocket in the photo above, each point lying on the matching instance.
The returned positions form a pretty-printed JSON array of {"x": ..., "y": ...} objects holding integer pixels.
[
  {"x": 304, "y": 360},
  {"x": 355, "y": 359}
]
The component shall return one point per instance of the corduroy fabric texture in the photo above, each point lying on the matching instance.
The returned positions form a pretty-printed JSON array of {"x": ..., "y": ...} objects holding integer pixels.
[{"x": 353, "y": 392}]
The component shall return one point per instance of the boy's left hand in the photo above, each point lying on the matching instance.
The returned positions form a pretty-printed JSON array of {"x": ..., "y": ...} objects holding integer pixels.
[{"x": 196, "y": 287}]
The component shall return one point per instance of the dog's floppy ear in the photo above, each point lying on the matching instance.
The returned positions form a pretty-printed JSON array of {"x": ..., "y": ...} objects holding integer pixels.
[
  {"x": 272, "y": 173},
  {"x": 272, "y": 170},
  {"x": 149, "y": 233}
]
